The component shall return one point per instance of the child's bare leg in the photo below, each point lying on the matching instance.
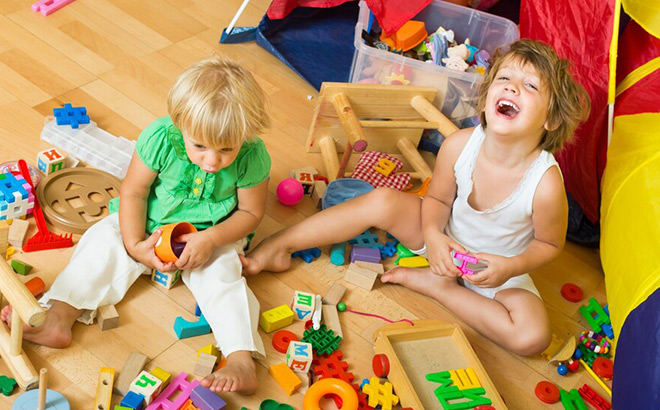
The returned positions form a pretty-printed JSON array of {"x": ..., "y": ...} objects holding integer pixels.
[
  {"x": 396, "y": 212},
  {"x": 239, "y": 375},
  {"x": 56, "y": 330},
  {"x": 516, "y": 319}
]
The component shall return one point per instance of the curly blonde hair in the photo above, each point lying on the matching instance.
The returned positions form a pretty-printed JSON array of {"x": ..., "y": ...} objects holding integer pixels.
[
  {"x": 218, "y": 103},
  {"x": 569, "y": 102}
]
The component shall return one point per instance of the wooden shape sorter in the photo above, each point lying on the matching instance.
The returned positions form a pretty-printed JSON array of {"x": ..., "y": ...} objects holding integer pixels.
[
  {"x": 430, "y": 346},
  {"x": 76, "y": 198}
]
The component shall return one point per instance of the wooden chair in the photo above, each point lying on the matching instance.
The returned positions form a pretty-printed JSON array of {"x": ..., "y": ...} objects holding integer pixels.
[{"x": 385, "y": 118}]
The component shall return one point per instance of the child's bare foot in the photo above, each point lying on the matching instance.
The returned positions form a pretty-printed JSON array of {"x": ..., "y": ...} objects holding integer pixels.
[
  {"x": 268, "y": 255},
  {"x": 239, "y": 375},
  {"x": 56, "y": 330},
  {"x": 421, "y": 280}
]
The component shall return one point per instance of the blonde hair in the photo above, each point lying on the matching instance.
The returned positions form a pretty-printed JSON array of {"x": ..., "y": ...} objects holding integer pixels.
[
  {"x": 569, "y": 102},
  {"x": 218, "y": 104}
]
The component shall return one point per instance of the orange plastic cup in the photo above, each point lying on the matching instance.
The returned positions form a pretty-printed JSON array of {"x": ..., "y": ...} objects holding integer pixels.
[{"x": 167, "y": 248}]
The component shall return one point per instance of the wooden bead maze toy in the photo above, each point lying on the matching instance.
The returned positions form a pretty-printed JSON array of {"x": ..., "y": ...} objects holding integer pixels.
[{"x": 384, "y": 118}]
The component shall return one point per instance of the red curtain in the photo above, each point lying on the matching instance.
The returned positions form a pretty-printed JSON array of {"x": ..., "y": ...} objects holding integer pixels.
[{"x": 580, "y": 31}]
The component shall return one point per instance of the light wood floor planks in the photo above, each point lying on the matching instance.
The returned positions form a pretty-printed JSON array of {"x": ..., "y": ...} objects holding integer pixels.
[{"x": 118, "y": 58}]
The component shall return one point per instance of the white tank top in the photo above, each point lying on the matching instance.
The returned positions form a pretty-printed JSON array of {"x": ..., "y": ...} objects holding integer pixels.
[{"x": 505, "y": 229}]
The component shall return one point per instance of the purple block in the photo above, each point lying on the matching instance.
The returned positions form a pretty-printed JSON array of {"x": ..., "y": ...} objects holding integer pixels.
[
  {"x": 359, "y": 253},
  {"x": 205, "y": 399}
]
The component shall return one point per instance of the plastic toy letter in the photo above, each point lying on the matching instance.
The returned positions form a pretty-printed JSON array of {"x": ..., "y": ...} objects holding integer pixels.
[{"x": 181, "y": 385}]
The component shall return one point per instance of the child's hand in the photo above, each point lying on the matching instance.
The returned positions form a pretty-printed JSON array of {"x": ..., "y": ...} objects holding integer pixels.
[
  {"x": 497, "y": 272},
  {"x": 198, "y": 250},
  {"x": 144, "y": 252},
  {"x": 438, "y": 249}
]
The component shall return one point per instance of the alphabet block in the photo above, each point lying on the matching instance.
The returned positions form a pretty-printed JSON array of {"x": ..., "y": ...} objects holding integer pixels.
[
  {"x": 50, "y": 160},
  {"x": 165, "y": 279},
  {"x": 303, "y": 305},
  {"x": 299, "y": 356},
  {"x": 146, "y": 384}
]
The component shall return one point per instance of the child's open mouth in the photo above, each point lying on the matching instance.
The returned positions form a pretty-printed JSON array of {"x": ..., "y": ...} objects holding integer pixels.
[{"x": 507, "y": 108}]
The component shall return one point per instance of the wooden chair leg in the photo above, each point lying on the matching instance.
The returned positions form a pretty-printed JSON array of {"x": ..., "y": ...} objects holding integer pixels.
[
  {"x": 329, "y": 156},
  {"x": 428, "y": 111},
  {"x": 411, "y": 154}
]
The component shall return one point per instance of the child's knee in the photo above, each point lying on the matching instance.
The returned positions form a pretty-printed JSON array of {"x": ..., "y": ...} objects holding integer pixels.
[
  {"x": 532, "y": 341},
  {"x": 383, "y": 200}
]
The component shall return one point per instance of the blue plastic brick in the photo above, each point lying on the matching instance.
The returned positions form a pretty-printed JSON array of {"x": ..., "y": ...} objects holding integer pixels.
[
  {"x": 366, "y": 240},
  {"x": 133, "y": 400},
  {"x": 70, "y": 115},
  {"x": 308, "y": 255},
  {"x": 185, "y": 329}
]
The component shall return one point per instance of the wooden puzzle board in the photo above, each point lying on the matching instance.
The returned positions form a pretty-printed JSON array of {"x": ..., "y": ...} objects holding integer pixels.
[{"x": 428, "y": 347}]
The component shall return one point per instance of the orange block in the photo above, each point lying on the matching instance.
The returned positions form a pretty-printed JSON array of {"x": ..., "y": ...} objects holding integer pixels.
[
  {"x": 285, "y": 377},
  {"x": 188, "y": 405},
  {"x": 36, "y": 286}
]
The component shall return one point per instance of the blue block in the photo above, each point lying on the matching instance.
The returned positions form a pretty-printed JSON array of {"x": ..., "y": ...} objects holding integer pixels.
[
  {"x": 308, "y": 255},
  {"x": 185, "y": 329},
  {"x": 10, "y": 184},
  {"x": 133, "y": 400},
  {"x": 366, "y": 240},
  {"x": 205, "y": 399},
  {"x": 388, "y": 249},
  {"x": 70, "y": 115},
  {"x": 198, "y": 311}
]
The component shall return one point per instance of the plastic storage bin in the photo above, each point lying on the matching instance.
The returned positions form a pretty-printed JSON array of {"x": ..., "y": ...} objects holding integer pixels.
[{"x": 457, "y": 91}]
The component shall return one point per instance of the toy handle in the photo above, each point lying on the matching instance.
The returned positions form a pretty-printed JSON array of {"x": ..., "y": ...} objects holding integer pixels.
[{"x": 38, "y": 215}]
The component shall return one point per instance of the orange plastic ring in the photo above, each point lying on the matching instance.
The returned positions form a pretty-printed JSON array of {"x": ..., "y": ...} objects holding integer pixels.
[
  {"x": 330, "y": 386},
  {"x": 163, "y": 247}
]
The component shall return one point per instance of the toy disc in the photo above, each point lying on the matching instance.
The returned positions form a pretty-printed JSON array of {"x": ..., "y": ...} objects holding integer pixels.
[
  {"x": 572, "y": 292},
  {"x": 547, "y": 392},
  {"x": 74, "y": 199},
  {"x": 30, "y": 399},
  {"x": 603, "y": 367},
  {"x": 381, "y": 365},
  {"x": 281, "y": 340}
]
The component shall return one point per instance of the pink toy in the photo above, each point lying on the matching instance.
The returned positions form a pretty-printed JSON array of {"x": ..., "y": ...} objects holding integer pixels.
[
  {"x": 465, "y": 262},
  {"x": 46, "y": 7},
  {"x": 290, "y": 191},
  {"x": 179, "y": 387}
]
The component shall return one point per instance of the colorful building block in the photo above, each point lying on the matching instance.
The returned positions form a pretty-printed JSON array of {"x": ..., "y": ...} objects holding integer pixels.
[
  {"x": 185, "y": 329},
  {"x": 36, "y": 286},
  {"x": 366, "y": 240},
  {"x": 188, "y": 405},
  {"x": 303, "y": 305},
  {"x": 299, "y": 356},
  {"x": 413, "y": 262},
  {"x": 307, "y": 181},
  {"x": 147, "y": 385},
  {"x": 133, "y": 400},
  {"x": 162, "y": 375},
  {"x": 104, "y": 388},
  {"x": 16, "y": 198},
  {"x": 118, "y": 407},
  {"x": 388, "y": 249},
  {"x": 593, "y": 398},
  {"x": 595, "y": 315},
  {"x": 165, "y": 279},
  {"x": 359, "y": 253},
  {"x": 338, "y": 253},
  {"x": 285, "y": 377},
  {"x": 332, "y": 366},
  {"x": 572, "y": 400},
  {"x": 174, "y": 395},
  {"x": 447, "y": 392},
  {"x": 209, "y": 349},
  {"x": 308, "y": 255},
  {"x": 50, "y": 160},
  {"x": 380, "y": 394},
  {"x": 276, "y": 318},
  {"x": 204, "y": 364},
  {"x": 20, "y": 267},
  {"x": 69, "y": 115},
  {"x": 205, "y": 399},
  {"x": 323, "y": 340}
]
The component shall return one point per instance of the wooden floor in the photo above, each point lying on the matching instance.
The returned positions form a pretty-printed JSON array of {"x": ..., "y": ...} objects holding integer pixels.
[{"x": 118, "y": 58}]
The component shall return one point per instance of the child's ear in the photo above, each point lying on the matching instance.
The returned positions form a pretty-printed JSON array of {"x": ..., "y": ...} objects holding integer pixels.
[{"x": 551, "y": 126}]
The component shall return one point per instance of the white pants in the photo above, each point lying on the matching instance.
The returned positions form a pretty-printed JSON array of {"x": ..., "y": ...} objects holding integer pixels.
[{"x": 101, "y": 272}]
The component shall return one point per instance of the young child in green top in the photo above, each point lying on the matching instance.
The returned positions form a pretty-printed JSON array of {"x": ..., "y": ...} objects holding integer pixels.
[{"x": 203, "y": 164}]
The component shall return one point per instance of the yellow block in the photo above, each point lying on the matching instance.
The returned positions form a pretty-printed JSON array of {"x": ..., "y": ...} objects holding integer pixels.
[
  {"x": 414, "y": 262},
  {"x": 162, "y": 375},
  {"x": 209, "y": 349},
  {"x": 465, "y": 378},
  {"x": 276, "y": 318}
]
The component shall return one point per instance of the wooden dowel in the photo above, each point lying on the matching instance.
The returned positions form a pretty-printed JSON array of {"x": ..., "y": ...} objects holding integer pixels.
[
  {"x": 400, "y": 124},
  {"x": 16, "y": 336},
  {"x": 349, "y": 121},
  {"x": 19, "y": 296},
  {"x": 344, "y": 160},
  {"x": 43, "y": 388},
  {"x": 329, "y": 156},
  {"x": 428, "y": 111},
  {"x": 410, "y": 152}
]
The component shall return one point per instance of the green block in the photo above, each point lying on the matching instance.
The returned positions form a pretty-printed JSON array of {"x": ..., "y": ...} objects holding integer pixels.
[
  {"x": 572, "y": 400},
  {"x": 118, "y": 407},
  {"x": 21, "y": 268}
]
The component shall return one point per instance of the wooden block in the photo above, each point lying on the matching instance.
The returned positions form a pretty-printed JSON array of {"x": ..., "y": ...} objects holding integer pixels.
[
  {"x": 104, "y": 388},
  {"x": 307, "y": 181},
  {"x": 317, "y": 194},
  {"x": 204, "y": 365},
  {"x": 376, "y": 267},
  {"x": 285, "y": 377},
  {"x": 20, "y": 267},
  {"x": 331, "y": 319},
  {"x": 209, "y": 349},
  {"x": 162, "y": 375},
  {"x": 17, "y": 231},
  {"x": 303, "y": 305},
  {"x": 335, "y": 294},
  {"x": 107, "y": 317},
  {"x": 131, "y": 369},
  {"x": 165, "y": 279},
  {"x": 146, "y": 384},
  {"x": 50, "y": 160},
  {"x": 306, "y": 381},
  {"x": 299, "y": 356},
  {"x": 36, "y": 286},
  {"x": 361, "y": 277},
  {"x": 4, "y": 236},
  {"x": 276, "y": 318},
  {"x": 309, "y": 169},
  {"x": 204, "y": 399}
]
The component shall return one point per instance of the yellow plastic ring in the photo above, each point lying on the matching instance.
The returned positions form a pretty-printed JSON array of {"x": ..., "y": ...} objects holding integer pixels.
[{"x": 330, "y": 386}]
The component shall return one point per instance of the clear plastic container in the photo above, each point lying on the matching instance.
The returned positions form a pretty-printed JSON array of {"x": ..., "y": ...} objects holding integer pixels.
[
  {"x": 457, "y": 91},
  {"x": 92, "y": 145}
]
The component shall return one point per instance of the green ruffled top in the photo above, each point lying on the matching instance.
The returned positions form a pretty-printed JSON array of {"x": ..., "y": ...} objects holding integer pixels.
[{"x": 184, "y": 192}]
